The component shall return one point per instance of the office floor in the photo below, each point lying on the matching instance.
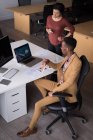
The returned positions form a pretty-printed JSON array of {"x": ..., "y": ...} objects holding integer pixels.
[{"x": 59, "y": 131}]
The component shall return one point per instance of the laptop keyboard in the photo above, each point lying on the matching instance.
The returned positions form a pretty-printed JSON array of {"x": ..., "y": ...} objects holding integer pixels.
[{"x": 28, "y": 60}]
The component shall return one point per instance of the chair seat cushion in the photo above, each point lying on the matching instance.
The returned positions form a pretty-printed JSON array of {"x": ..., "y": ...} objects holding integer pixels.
[{"x": 57, "y": 106}]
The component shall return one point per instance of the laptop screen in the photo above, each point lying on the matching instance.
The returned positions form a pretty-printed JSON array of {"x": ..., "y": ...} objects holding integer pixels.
[{"x": 23, "y": 53}]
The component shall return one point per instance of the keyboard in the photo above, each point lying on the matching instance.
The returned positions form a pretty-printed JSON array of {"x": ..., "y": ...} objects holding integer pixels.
[{"x": 10, "y": 73}]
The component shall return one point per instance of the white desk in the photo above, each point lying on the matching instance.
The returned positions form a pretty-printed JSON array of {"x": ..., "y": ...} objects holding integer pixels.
[{"x": 13, "y": 97}]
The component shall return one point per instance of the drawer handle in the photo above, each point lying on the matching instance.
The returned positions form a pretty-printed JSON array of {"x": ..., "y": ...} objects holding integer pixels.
[
  {"x": 15, "y": 102},
  {"x": 16, "y": 110},
  {"x": 15, "y": 94}
]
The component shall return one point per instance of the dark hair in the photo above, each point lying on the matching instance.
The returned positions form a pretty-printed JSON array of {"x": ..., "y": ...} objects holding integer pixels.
[
  {"x": 60, "y": 7},
  {"x": 71, "y": 42}
]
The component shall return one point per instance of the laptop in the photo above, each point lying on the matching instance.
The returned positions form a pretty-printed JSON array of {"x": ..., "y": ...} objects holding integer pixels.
[{"x": 23, "y": 54}]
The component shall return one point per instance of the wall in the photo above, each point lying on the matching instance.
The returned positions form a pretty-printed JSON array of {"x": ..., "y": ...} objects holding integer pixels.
[{"x": 5, "y": 14}]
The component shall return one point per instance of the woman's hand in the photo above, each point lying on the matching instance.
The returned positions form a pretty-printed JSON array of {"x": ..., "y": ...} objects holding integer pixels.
[
  {"x": 49, "y": 31},
  {"x": 60, "y": 38}
]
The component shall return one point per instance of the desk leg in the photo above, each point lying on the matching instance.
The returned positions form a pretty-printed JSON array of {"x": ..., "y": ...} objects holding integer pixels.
[
  {"x": 22, "y": 22},
  {"x": 13, "y": 104}
]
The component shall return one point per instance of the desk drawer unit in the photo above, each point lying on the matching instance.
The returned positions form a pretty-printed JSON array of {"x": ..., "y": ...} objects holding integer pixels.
[{"x": 13, "y": 104}]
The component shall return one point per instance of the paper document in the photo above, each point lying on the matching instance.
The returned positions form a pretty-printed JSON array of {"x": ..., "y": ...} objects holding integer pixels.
[{"x": 36, "y": 71}]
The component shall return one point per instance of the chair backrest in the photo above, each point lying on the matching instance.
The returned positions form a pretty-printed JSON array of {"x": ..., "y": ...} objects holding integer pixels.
[
  {"x": 1, "y": 34},
  {"x": 48, "y": 10},
  {"x": 77, "y": 6},
  {"x": 84, "y": 71},
  {"x": 24, "y": 2}
]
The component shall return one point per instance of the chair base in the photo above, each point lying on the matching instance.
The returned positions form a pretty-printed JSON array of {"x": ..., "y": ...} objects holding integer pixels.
[
  {"x": 64, "y": 117},
  {"x": 84, "y": 120}
]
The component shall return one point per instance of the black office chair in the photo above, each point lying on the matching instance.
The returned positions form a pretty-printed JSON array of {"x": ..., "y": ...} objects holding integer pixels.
[
  {"x": 78, "y": 9},
  {"x": 1, "y": 35},
  {"x": 64, "y": 109},
  {"x": 48, "y": 10},
  {"x": 24, "y": 2}
]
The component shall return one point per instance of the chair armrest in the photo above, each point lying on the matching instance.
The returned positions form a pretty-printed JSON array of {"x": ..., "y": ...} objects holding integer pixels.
[{"x": 62, "y": 94}]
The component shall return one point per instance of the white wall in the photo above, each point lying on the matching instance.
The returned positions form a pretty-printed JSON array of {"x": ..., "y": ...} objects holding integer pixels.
[{"x": 6, "y": 14}]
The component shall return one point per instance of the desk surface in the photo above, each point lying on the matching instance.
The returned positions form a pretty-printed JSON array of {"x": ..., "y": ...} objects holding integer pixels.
[
  {"x": 85, "y": 28},
  {"x": 28, "y": 74},
  {"x": 31, "y": 9},
  {"x": 27, "y": 10}
]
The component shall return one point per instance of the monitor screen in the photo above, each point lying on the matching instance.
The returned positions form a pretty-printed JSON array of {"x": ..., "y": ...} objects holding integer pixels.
[
  {"x": 23, "y": 53},
  {"x": 5, "y": 51}
]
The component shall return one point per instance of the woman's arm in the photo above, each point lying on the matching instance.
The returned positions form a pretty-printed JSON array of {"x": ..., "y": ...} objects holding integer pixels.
[
  {"x": 48, "y": 30},
  {"x": 70, "y": 28}
]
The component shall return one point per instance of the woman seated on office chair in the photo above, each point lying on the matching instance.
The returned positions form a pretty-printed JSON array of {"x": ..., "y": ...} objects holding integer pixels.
[
  {"x": 55, "y": 27},
  {"x": 67, "y": 73}
]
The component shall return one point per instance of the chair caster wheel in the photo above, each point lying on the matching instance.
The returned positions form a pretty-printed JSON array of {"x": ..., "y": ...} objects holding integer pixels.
[
  {"x": 48, "y": 132},
  {"x": 74, "y": 137},
  {"x": 84, "y": 121}
]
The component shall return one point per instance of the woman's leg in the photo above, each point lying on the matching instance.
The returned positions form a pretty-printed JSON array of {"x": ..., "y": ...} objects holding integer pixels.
[
  {"x": 38, "y": 109},
  {"x": 58, "y": 49},
  {"x": 51, "y": 47}
]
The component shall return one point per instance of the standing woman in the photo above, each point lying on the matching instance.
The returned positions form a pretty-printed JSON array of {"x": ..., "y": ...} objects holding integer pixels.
[{"x": 55, "y": 27}]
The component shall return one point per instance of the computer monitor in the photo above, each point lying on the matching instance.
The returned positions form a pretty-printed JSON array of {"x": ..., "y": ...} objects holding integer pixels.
[{"x": 5, "y": 51}]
